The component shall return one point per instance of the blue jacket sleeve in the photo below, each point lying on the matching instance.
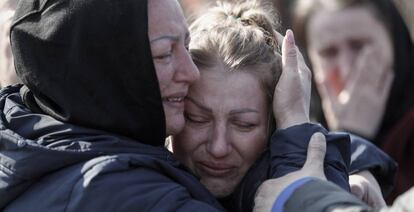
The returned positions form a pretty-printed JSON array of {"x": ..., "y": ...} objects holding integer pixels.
[
  {"x": 366, "y": 156},
  {"x": 288, "y": 149},
  {"x": 328, "y": 197}
]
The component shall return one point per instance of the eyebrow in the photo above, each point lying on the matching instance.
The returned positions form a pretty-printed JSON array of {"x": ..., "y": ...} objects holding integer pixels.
[
  {"x": 169, "y": 37},
  {"x": 174, "y": 38},
  {"x": 232, "y": 112},
  {"x": 199, "y": 104},
  {"x": 243, "y": 110}
]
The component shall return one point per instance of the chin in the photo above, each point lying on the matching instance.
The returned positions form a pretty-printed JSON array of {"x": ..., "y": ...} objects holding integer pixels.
[
  {"x": 174, "y": 124},
  {"x": 219, "y": 188}
]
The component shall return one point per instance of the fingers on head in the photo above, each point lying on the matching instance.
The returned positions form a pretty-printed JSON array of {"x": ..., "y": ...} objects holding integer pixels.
[{"x": 289, "y": 51}]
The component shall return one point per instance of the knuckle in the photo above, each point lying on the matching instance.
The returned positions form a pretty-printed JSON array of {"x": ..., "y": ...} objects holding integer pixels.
[{"x": 291, "y": 52}]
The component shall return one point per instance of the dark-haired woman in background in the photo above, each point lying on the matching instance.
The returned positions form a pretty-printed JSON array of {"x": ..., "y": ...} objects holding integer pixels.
[{"x": 362, "y": 58}]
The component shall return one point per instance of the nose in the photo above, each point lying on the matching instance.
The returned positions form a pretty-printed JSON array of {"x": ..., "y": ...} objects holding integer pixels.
[
  {"x": 346, "y": 61},
  {"x": 339, "y": 71},
  {"x": 219, "y": 145},
  {"x": 187, "y": 71}
]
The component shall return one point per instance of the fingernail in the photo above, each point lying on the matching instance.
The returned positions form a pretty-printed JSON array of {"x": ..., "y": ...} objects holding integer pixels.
[{"x": 290, "y": 37}]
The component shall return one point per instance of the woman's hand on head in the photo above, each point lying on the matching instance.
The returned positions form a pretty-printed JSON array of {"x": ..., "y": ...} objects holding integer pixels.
[
  {"x": 291, "y": 99},
  {"x": 366, "y": 188}
]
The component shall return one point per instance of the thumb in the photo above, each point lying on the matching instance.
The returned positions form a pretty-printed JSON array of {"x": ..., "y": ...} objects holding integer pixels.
[
  {"x": 289, "y": 54},
  {"x": 316, "y": 155}
]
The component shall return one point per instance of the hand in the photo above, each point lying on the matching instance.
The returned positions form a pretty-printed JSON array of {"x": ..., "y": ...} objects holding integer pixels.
[
  {"x": 360, "y": 105},
  {"x": 269, "y": 190},
  {"x": 291, "y": 100},
  {"x": 366, "y": 188}
]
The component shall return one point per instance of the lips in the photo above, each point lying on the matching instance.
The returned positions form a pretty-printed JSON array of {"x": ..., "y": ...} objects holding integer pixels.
[
  {"x": 216, "y": 169},
  {"x": 175, "y": 100}
]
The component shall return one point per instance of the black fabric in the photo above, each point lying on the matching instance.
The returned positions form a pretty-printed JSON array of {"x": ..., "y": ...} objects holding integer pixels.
[{"x": 89, "y": 63}]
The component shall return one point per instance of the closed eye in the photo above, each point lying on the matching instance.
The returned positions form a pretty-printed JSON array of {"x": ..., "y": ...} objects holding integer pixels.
[
  {"x": 195, "y": 119},
  {"x": 244, "y": 127},
  {"x": 163, "y": 58}
]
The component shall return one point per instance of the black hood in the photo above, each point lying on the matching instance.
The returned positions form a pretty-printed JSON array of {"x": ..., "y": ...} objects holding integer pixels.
[{"x": 88, "y": 62}]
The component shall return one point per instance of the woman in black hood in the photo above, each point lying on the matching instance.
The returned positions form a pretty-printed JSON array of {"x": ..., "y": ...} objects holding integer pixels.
[
  {"x": 363, "y": 60},
  {"x": 104, "y": 83}
]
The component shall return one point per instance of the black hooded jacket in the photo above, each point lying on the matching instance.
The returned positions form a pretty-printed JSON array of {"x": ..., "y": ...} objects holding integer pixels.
[{"x": 89, "y": 63}]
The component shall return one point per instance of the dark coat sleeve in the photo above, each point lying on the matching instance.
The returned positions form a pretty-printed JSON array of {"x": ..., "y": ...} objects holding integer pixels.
[
  {"x": 366, "y": 156},
  {"x": 322, "y": 196},
  {"x": 288, "y": 149},
  {"x": 122, "y": 186}
]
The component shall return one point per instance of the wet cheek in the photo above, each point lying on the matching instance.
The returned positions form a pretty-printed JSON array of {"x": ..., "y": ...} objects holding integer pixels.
[
  {"x": 251, "y": 147},
  {"x": 189, "y": 141}
]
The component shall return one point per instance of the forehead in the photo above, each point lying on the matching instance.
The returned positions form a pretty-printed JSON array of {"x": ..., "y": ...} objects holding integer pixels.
[
  {"x": 235, "y": 89},
  {"x": 165, "y": 17},
  {"x": 325, "y": 26}
]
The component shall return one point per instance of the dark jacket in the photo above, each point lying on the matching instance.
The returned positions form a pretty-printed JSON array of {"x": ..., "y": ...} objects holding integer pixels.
[
  {"x": 287, "y": 153},
  {"x": 49, "y": 165}
]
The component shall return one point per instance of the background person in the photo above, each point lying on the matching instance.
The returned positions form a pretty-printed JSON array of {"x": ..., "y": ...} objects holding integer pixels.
[{"x": 362, "y": 56}]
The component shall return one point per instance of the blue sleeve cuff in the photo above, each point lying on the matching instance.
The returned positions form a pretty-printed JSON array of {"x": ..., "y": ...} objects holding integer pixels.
[{"x": 287, "y": 192}]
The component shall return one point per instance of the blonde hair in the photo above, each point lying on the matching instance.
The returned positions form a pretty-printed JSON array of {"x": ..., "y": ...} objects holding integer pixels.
[{"x": 238, "y": 36}]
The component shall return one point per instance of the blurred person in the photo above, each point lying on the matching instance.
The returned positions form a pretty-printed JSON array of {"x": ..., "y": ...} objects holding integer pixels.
[
  {"x": 7, "y": 72},
  {"x": 362, "y": 57},
  {"x": 228, "y": 125}
]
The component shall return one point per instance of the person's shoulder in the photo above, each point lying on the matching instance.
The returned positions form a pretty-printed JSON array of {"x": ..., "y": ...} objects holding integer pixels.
[{"x": 130, "y": 182}]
